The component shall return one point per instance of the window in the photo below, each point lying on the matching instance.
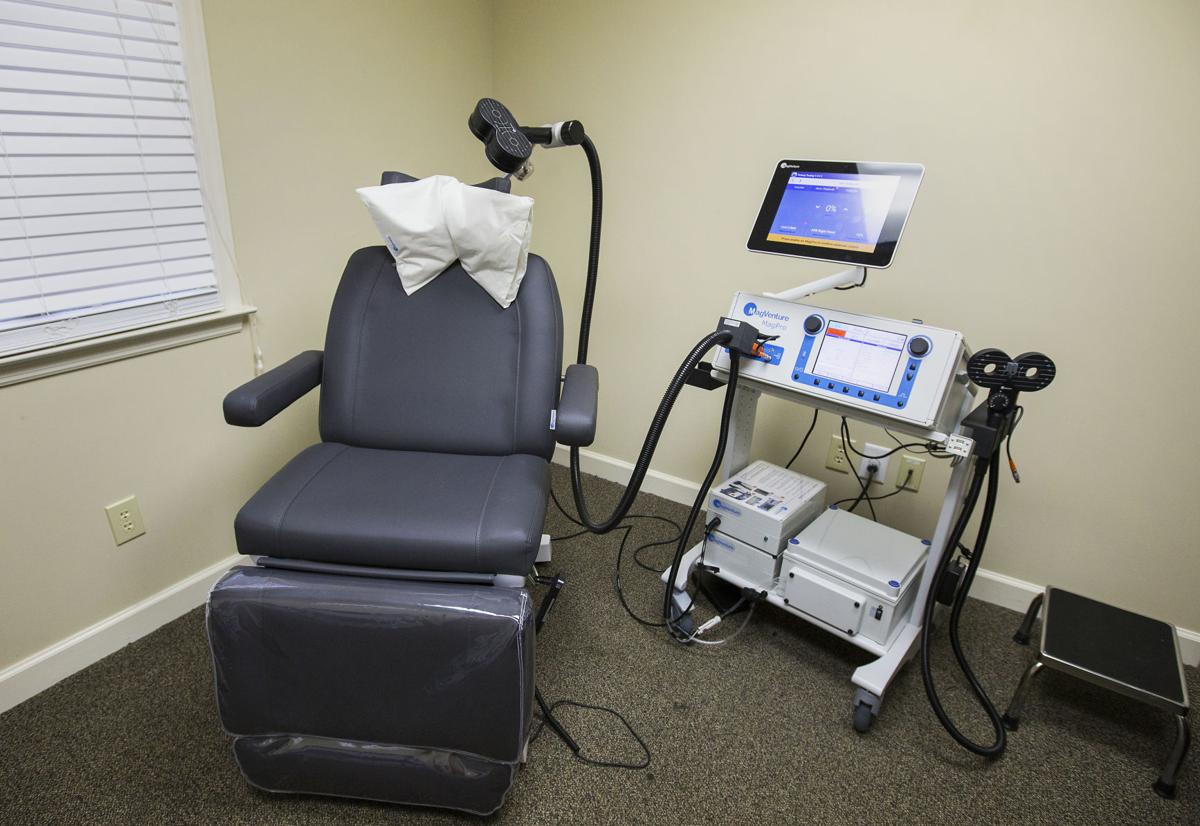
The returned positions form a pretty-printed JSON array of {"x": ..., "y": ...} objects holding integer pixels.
[{"x": 103, "y": 221}]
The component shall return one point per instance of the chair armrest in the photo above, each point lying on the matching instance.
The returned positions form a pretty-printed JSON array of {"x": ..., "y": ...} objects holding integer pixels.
[
  {"x": 576, "y": 421},
  {"x": 259, "y": 399}
]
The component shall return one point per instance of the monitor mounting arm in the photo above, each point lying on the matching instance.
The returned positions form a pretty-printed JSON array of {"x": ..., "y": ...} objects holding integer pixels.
[{"x": 843, "y": 280}]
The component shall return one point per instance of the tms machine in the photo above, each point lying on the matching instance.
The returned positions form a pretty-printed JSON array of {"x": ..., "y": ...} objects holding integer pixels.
[
  {"x": 770, "y": 533},
  {"x": 841, "y": 571}
]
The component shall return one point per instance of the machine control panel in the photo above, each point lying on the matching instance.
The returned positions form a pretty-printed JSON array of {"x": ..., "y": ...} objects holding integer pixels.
[{"x": 895, "y": 369}]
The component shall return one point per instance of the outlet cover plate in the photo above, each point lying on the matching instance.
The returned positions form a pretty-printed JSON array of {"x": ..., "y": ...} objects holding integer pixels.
[
  {"x": 125, "y": 520},
  {"x": 836, "y": 459},
  {"x": 874, "y": 450},
  {"x": 917, "y": 466}
]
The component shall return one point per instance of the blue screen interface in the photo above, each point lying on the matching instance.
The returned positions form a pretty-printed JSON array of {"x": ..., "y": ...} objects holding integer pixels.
[{"x": 835, "y": 210}]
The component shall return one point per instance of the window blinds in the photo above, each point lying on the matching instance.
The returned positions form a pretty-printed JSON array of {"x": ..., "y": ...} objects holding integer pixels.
[{"x": 102, "y": 222}]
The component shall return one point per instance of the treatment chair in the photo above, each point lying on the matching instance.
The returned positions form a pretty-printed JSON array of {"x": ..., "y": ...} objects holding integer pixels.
[{"x": 381, "y": 646}]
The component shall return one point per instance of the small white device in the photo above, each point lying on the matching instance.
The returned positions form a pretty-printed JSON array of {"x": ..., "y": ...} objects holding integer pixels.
[
  {"x": 760, "y": 508},
  {"x": 764, "y": 505},
  {"x": 853, "y": 574},
  {"x": 736, "y": 561}
]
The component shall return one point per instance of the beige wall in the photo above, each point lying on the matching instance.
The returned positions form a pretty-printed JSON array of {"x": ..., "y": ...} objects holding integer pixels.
[
  {"x": 1057, "y": 213},
  {"x": 313, "y": 99},
  {"x": 1058, "y": 139}
]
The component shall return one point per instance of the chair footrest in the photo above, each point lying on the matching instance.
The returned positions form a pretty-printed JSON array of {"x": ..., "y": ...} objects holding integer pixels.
[{"x": 430, "y": 684}]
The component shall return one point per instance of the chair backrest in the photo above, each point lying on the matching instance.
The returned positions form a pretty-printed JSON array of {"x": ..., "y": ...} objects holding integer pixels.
[{"x": 446, "y": 369}]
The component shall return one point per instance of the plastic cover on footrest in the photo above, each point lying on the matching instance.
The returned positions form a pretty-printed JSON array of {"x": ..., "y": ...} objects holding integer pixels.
[
  {"x": 371, "y": 771},
  {"x": 320, "y": 670}
]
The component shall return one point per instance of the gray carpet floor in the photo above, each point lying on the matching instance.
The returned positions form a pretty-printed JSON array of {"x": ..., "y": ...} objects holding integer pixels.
[{"x": 754, "y": 731}]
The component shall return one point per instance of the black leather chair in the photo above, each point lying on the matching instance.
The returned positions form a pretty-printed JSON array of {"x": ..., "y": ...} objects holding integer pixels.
[{"x": 381, "y": 646}]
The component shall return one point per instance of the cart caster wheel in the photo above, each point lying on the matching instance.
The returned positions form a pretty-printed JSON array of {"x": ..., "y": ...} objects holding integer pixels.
[{"x": 863, "y": 718}]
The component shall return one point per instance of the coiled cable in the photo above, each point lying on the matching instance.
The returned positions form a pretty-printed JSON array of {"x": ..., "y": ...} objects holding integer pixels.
[{"x": 985, "y": 468}]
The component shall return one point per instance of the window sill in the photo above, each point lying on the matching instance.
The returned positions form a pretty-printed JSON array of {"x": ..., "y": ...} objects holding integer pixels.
[{"x": 90, "y": 352}]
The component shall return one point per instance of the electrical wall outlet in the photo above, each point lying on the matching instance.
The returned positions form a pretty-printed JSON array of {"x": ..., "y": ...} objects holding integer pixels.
[
  {"x": 125, "y": 519},
  {"x": 916, "y": 465},
  {"x": 836, "y": 459},
  {"x": 881, "y": 463}
]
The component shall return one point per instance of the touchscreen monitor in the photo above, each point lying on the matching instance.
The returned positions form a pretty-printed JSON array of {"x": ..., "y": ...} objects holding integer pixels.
[{"x": 840, "y": 211}]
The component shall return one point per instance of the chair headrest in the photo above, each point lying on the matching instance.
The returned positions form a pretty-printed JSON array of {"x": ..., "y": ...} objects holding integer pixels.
[{"x": 499, "y": 184}]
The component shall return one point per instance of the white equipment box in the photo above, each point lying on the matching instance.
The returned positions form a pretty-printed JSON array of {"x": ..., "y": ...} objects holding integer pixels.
[
  {"x": 881, "y": 366},
  {"x": 763, "y": 505},
  {"x": 739, "y": 563},
  {"x": 853, "y": 574}
]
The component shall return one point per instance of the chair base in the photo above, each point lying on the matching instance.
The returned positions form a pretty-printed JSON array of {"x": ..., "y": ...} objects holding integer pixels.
[{"x": 382, "y": 689}]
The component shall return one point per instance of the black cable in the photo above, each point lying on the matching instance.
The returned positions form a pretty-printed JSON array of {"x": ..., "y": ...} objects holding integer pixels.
[
  {"x": 628, "y": 529},
  {"x": 985, "y": 468},
  {"x": 804, "y": 441},
  {"x": 863, "y": 493},
  {"x": 585, "y": 324},
  {"x": 862, "y": 283},
  {"x": 900, "y": 489},
  {"x": 929, "y": 448},
  {"x": 650, "y": 516},
  {"x": 852, "y": 449},
  {"x": 610, "y": 764},
  {"x": 621, "y": 591},
  {"x": 702, "y": 493},
  {"x": 569, "y": 536},
  {"x": 641, "y": 466},
  {"x": 562, "y": 510},
  {"x": 593, "y": 262},
  {"x": 985, "y": 524},
  {"x": 845, "y": 432},
  {"x": 637, "y": 553},
  {"x": 653, "y": 433}
]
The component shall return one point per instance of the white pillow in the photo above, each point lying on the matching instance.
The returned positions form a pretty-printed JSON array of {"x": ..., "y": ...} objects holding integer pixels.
[{"x": 430, "y": 223}]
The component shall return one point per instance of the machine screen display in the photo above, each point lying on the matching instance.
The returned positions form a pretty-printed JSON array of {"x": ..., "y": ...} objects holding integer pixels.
[
  {"x": 850, "y": 212},
  {"x": 833, "y": 210},
  {"x": 859, "y": 355}
]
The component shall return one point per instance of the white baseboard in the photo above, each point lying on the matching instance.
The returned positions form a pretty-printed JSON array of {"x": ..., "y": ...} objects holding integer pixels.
[
  {"x": 1189, "y": 647},
  {"x": 617, "y": 470},
  {"x": 998, "y": 589},
  {"x": 38, "y": 672}
]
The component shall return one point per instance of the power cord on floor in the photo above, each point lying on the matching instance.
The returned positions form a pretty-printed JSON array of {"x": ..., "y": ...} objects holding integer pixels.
[
  {"x": 707, "y": 626},
  {"x": 548, "y": 710},
  {"x": 579, "y": 755},
  {"x": 627, "y": 531},
  {"x": 641, "y": 563}
]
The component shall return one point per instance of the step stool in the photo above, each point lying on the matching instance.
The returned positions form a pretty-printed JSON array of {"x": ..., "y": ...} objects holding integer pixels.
[{"x": 1114, "y": 649}]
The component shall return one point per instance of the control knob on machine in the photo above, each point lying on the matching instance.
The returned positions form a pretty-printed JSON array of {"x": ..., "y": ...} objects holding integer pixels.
[
  {"x": 812, "y": 324},
  {"x": 919, "y": 346}
]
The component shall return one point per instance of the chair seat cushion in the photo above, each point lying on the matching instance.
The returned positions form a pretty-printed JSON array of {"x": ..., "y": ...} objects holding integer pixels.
[{"x": 400, "y": 509}]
